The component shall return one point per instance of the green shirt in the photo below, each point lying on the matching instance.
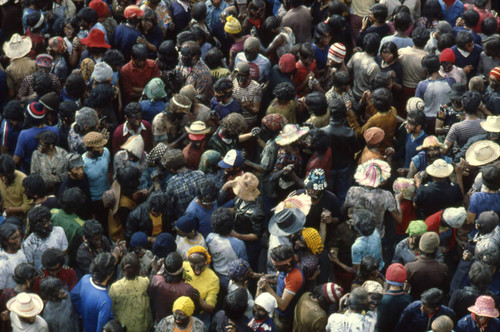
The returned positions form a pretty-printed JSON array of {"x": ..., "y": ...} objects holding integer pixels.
[{"x": 72, "y": 226}]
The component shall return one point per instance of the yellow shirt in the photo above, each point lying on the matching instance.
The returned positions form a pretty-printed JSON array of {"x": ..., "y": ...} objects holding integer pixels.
[
  {"x": 13, "y": 195},
  {"x": 207, "y": 283},
  {"x": 157, "y": 224}
]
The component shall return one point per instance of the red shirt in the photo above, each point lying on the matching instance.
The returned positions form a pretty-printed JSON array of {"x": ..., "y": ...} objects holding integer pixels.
[
  {"x": 66, "y": 274},
  {"x": 323, "y": 161},
  {"x": 119, "y": 138},
  {"x": 408, "y": 214},
  {"x": 133, "y": 77},
  {"x": 301, "y": 74},
  {"x": 433, "y": 221}
]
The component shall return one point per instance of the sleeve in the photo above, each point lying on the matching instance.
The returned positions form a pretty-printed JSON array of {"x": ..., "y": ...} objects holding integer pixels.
[
  {"x": 213, "y": 290},
  {"x": 355, "y": 255},
  {"x": 241, "y": 250},
  {"x": 473, "y": 204},
  {"x": 28, "y": 250},
  {"x": 125, "y": 81},
  {"x": 75, "y": 297},
  {"x": 293, "y": 282},
  {"x": 390, "y": 202},
  {"x": 397, "y": 255},
  {"x": 63, "y": 240},
  {"x": 105, "y": 314},
  {"x": 20, "y": 146},
  {"x": 452, "y": 134},
  {"x": 420, "y": 91}
]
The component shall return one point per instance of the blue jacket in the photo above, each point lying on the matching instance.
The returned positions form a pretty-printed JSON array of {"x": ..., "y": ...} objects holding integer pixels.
[
  {"x": 455, "y": 11},
  {"x": 467, "y": 324},
  {"x": 413, "y": 319}
]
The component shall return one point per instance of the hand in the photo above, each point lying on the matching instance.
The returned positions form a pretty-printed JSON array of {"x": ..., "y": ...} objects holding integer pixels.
[
  {"x": 4, "y": 315},
  {"x": 366, "y": 96},
  {"x": 256, "y": 131},
  {"x": 233, "y": 234},
  {"x": 468, "y": 69},
  {"x": 402, "y": 171},
  {"x": 393, "y": 74},
  {"x": 459, "y": 22},
  {"x": 460, "y": 167},
  {"x": 333, "y": 255},
  {"x": 365, "y": 23},
  {"x": 141, "y": 40},
  {"x": 244, "y": 153},
  {"x": 467, "y": 256},
  {"x": 196, "y": 295},
  {"x": 140, "y": 194},
  {"x": 288, "y": 169},
  {"x": 389, "y": 151},
  {"x": 231, "y": 326},
  {"x": 104, "y": 131},
  {"x": 326, "y": 216},
  {"x": 262, "y": 283}
]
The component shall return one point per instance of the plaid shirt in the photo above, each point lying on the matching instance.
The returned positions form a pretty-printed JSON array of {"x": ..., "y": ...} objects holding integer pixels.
[
  {"x": 201, "y": 78},
  {"x": 181, "y": 189}
]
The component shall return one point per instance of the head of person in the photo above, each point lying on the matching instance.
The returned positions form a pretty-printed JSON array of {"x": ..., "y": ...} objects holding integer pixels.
[
  {"x": 251, "y": 48},
  {"x": 378, "y": 13},
  {"x": 7, "y": 169},
  {"x": 242, "y": 71},
  {"x": 415, "y": 230},
  {"x": 34, "y": 186},
  {"x": 100, "y": 98},
  {"x": 431, "y": 299},
  {"x": 415, "y": 122},
  {"x": 341, "y": 82},
  {"x": 389, "y": 52},
  {"x": 129, "y": 179},
  {"x": 133, "y": 115},
  {"x": 13, "y": 112},
  {"x": 284, "y": 92},
  {"x": 133, "y": 14},
  {"x": 358, "y": 300},
  {"x": 47, "y": 141},
  {"x": 235, "y": 304},
  {"x": 199, "y": 259},
  {"x": 368, "y": 269},
  {"x": 471, "y": 18},
  {"x": 223, "y": 90},
  {"x": 182, "y": 311},
  {"x": 316, "y": 103},
  {"x": 87, "y": 120},
  {"x": 402, "y": 21},
  {"x": 139, "y": 55},
  {"x": 222, "y": 221},
  {"x": 337, "y": 7},
  {"x": 88, "y": 18},
  {"x": 232, "y": 26},
  {"x": 396, "y": 275},
  {"x": 51, "y": 289},
  {"x": 102, "y": 268},
  {"x": 432, "y": 11},
  {"x": 92, "y": 232},
  {"x": 256, "y": 9},
  {"x": 207, "y": 193},
  {"x": 283, "y": 258},
  {"x": 486, "y": 222},
  {"x": 442, "y": 324},
  {"x": 364, "y": 222},
  {"x": 480, "y": 276},
  {"x": 430, "y": 63},
  {"x": 114, "y": 58},
  {"x": 199, "y": 12},
  {"x": 71, "y": 200},
  {"x": 53, "y": 261},
  {"x": 213, "y": 58},
  {"x": 173, "y": 268},
  {"x": 489, "y": 26},
  {"x": 130, "y": 266},
  {"x": 429, "y": 244},
  {"x": 489, "y": 255},
  {"x": 327, "y": 294},
  {"x": 190, "y": 53},
  {"x": 75, "y": 86},
  {"x": 445, "y": 41},
  {"x": 465, "y": 41},
  {"x": 26, "y": 306},
  {"x": 25, "y": 274},
  {"x": 381, "y": 99},
  {"x": 272, "y": 24},
  {"x": 337, "y": 24},
  {"x": 336, "y": 55},
  {"x": 308, "y": 239},
  {"x": 272, "y": 124},
  {"x": 315, "y": 182},
  {"x": 94, "y": 143},
  {"x": 173, "y": 160},
  {"x": 483, "y": 311},
  {"x": 10, "y": 237},
  {"x": 39, "y": 218},
  {"x": 233, "y": 125},
  {"x": 75, "y": 166},
  {"x": 168, "y": 57},
  {"x": 67, "y": 111},
  {"x": 371, "y": 43},
  {"x": 471, "y": 101},
  {"x": 494, "y": 76},
  {"x": 420, "y": 36},
  {"x": 322, "y": 35},
  {"x": 264, "y": 306},
  {"x": 239, "y": 271}
]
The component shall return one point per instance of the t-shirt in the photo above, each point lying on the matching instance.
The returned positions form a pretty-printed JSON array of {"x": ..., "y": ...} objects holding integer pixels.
[
  {"x": 184, "y": 244},
  {"x": 224, "y": 250},
  {"x": 292, "y": 282},
  {"x": 27, "y": 143},
  {"x": 461, "y": 132},
  {"x": 364, "y": 68},
  {"x": 97, "y": 172},
  {"x": 367, "y": 246},
  {"x": 34, "y": 246},
  {"x": 8, "y": 263},
  {"x": 203, "y": 215},
  {"x": 481, "y": 201},
  {"x": 352, "y": 321},
  {"x": 207, "y": 283},
  {"x": 224, "y": 110},
  {"x": 261, "y": 63},
  {"x": 434, "y": 93},
  {"x": 399, "y": 41},
  {"x": 410, "y": 59}
]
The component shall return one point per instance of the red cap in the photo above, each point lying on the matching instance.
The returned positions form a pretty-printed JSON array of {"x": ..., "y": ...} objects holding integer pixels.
[
  {"x": 96, "y": 38},
  {"x": 133, "y": 11},
  {"x": 447, "y": 55},
  {"x": 495, "y": 72},
  {"x": 396, "y": 274},
  {"x": 100, "y": 7},
  {"x": 196, "y": 137}
]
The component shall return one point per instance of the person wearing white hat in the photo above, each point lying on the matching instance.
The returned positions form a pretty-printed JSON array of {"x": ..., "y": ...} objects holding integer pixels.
[
  {"x": 445, "y": 223},
  {"x": 24, "y": 313},
  {"x": 491, "y": 127},
  {"x": 20, "y": 65},
  {"x": 263, "y": 310}
]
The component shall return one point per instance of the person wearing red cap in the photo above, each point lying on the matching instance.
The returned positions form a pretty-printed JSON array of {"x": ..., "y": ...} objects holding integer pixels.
[
  {"x": 491, "y": 98},
  {"x": 448, "y": 68},
  {"x": 126, "y": 33}
]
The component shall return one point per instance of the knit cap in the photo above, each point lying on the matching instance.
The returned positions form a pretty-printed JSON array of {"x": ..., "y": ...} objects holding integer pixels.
[
  {"x": 35, "y": 110},
  {"x": 332, "y": 292},
  {"x": 184, "y": 304},
  {"x": 447, "y": 55},
  {"x": 337, "y": 52},
  {"x": 429, "y": 242},
  {"x": 396, "y": 275},
  {"x": 232, "y": 26},
  {"x": 313, "y": 240},
  {"x": 416, "y": 227},
  {"x": 495, "y": 72}
]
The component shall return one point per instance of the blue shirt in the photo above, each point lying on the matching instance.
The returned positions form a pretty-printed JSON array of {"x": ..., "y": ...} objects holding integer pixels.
[
  {"x": 411, "y": 147},
  {"x": 203, "y": 215},
  {"x": 455, "y": 11},
  {"x": 214, "y": 13},
  {"x": 224, "y": 250},
  {"x": 92, "y": 303},
  {"x": 472, "y": 59},
  {"x": 8, "y": 135},
  {"x": 224, "y": 110},
  {"x": 467, "y": 324},
  {"x": 27, "y": 143},
  {"x": 367, "y": 246},
  {"x": 321, "y": 56},
  {"x": 151, "y": 109},
  {"x": 125, "y": 38},
  {"x": 97, "y": 172}
]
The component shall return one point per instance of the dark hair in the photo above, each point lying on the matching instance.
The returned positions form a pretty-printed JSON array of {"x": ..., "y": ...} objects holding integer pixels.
[
  {"x": 489, "y": 255},
  {"x": 48, "y": 137},
  {"x": 139, "y": 52},
  {"x": 480, "y": 275},
  {"x": 174, "y": 158},
  {"x": 184, "y": 37},
  {"x": 101, "y": 96},
  {"x": 50, "y": 287},
  {"x": 132, "y": 108},
  {"x": 282, "y": 253},
  {"x": 14, "y": 111},
  {"x": 199, "y": 11},
  {"x": 167, "y": 55},
  {"x": 480, "y": 3},
  {"x": 213, "y": 58},
  {"x": 433, "y": 297},
  {"x": 102, "y": 267},
  {"x": 194, "y": 47},
  {"x": 130, "y": 266},
  {"x": 223, "y": 84},
  {"x": 129, "y": 179},
  {"x": 16, "y": 221},
  {"x": 470, "y": 17},
  {"x": 306, "y": 51},
  {"x": 419, "y": 117},
  {"x": 114, "y": 326},
  {"x": 149, "y": 14},
  {"x": 88, "y": 15},
  {"x": 67, "y": 110},
  {"x": 173, "y": 262},
  {"x": 371, "y": 43},
  {"x": 38, "y": 215},
  {"x": 445, "y": 40},
  {"x": 364, "y": 222},
  {"x": 402, "y": 21},
  {"x": 489, "y": 26},
  {"x": 392, "y": 47},
  {"x": 420, "y": 36},
  {"x": 431, "y": 63},
  {"x": 337, "y": 7},
  {"x": 464, "y": 38},
  {"x": 432, "y": 11},
  {"x": 114, "y": 58},
  {"x": 316, "y": 103},
  {"x": 156, "y": 201},
  {"x": 358, "y": 299},
  {"x": 7, "y": 164},
  {"x": 71, "y": 200},
  {"x": 23, "y": 273},
  {"x": 471, "y": 101},
  {"x": 322, "y": 29},
  {"x": 381, "y": 80},
  {"x": 367, "y": 266},
  {"x": 337, "y": 24},
  {"x": 52, "y": 257},
  {"x": 42, "y": 84},
  {"x": 379, "y": 12},
  {"x": 6, "y": 231},
  {"x": 92, "y": 228},
  {"x": 318, "y": 294},
  {"x": 207, "y": 189},
  {"x": 341, "y": 78},
  {"x": 320, "y": 141},
  {"x": 235, "y": 304},
  {"x": 382, "y": 99},
  {"x": 271, "y": 23},
  {"x": 75, "y": 86},
  {"x": 222, "y": 221},
  {"x": 199, "y": 33},
  {"x": 35, "y": 185},
  {"x": 284, "y": 91},
  {"x": 337, "y": 110}
]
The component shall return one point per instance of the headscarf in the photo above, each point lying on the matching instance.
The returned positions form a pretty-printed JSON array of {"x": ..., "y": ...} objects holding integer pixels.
[
  {"x": 208, "y": 161},
  {"x": 313, "y": 240},
  {"x": 156, "y": 154},
  {"x": 237, "y": 269},
  {"x": 200, "y": 250},
  {"x": 87, "y": 68},
  {"x": 184, "y": 304}
]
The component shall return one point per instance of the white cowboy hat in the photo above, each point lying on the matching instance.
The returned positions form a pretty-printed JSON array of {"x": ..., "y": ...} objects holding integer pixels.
[
  {"x": 290, "y": 134},
  {"x": 197, "y": 128},
  {"x": 492, "y": 124},
  {"x": 482, "y": 153},
  {"x": 17, "y": 46},
  {"x": 439, "y": 169},
  {"x": 25, "y": 305}
]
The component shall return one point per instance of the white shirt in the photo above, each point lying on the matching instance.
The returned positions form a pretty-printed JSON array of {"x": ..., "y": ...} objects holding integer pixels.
[
  {"x": 351, "y": 321},
  {"x": 34, "y": 246},
  {"x": 184, "y": 244},
  {"x": 8, "y": 263},
  {"x": 40, "y": 325}
]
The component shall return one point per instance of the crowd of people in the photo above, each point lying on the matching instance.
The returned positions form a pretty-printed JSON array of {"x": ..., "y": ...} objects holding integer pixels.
[{"x": 250, "y": 165}]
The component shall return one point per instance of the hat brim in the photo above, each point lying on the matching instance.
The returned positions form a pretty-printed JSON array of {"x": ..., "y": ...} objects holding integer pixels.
[
  {"x": 489, "y": 127},
  {"x": 19, "y": 52},
  {"x": 245, "y": 194},
  {"x": 103, "y": 142},
  {"x": 37, "y": 308},
  {"x": 471, "y": 160},
  {"x": 430, "y": 171},
  {"x": 491, "y": 313},
  {"x": 197, "y": 132},
  {"x": 283, "y": 141},
  {"x": 421, "y": 147},
  {"x": 223, "y": 164},
  {"x": 275, "y": 230}
]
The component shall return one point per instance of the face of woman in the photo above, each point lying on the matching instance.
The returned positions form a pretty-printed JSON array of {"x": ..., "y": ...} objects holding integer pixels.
[
  {"x": 147, "y": 24},
  {"x": 13, "y": 243},
  {"x": 198, "y": 263},
  {"x": 387, "y": 55}
]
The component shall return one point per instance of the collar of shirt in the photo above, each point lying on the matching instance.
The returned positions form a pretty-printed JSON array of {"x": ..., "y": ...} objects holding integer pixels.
[
  {"x": 185, "y": 6},
  {"x": 464, "y": 53},
  {"x": 416, "y": 138},
  {"x": 97, "y": 286},
  {"x": 126, "y": 130}
]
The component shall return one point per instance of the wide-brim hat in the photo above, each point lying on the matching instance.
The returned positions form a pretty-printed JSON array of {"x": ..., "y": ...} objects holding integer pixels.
[
  {"x": 25, "y": 305},
  {"x": 17, "y": 46},
  {"x": 197, "y": 128},
  {"x": 485, "y": 307},
  {"x": 482, "y": 153},
  {"x": 492, "y": 124},
  {"x": 301, "y": 202},
  {"x": 457, "y": 90},
  {"x": 439, "y": 169},
  {"x": 372, "y": 173},
  {"x": 429, "y": 141},
  {"x": 96, "y": 38},
  {"x": 290, "y": 134},
  {"x": 245, "y": 187},
  {"x": 287, "y": 222},
  {"x": 94, "y": 139}
]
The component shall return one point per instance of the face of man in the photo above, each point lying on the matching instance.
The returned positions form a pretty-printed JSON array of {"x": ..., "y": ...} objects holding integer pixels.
[
  {"x": 13, "y": 243},
  {"x": 187, "y": 58},
  {"x": 243, "y": 79},
  {"x": 469, "y": 46},
  {"x": 456, "y": 103},
  {"x": 284, "y": 266},
  {"x": 447, "y": 66},
  {"x": 300, "y": 243},
  {"x": 43, "y": 147},
  {"x": 181, "y": 319},
  {"x": 134, "y": 121},
  {"x": 251, "y": 55},
  {"x": 410, "y": 126},
  {"x": 223, "y": 97},
  {"x": 216, "y": 3},
  {"x": 428, "y": 309},
  {"x": 97, "y": 151},
  {"x": 53, "y": 271},
  {"x": 76, "y": 173},
  {"x": 29, "y": 320},
  {"x": 198, "y": 263},
  {"x": 7, "y": 178},
  {"x": 433, "y": 153},
  {"x": 314, "y": 194},
  {"x": 95, "y": 242},
  {"x": 258, "y": 312},
  {"x": 494, "y": 83},
  {"x": 495, "y": 137},
  {"x": 44, "y": 229}
]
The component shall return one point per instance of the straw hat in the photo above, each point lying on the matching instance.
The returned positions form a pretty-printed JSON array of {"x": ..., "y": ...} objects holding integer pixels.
[
  {"x": 492, "y": 124},
  {"x": 301, "y": 202},
  {"x": 197, "y": 128},
  {"x": 482, "y": 153},
  {"x": 17, "y": 46},
  {"x": 94, "y": 139},
  {"x": 245, "y": 187},
  {"x": 439, "y": 169},
  {"x": 485, "y": 307},
  {"x": 429, "y": 142},
  {"x": 290, "y": 134},
  {"x": 25, "y": 305},
  {"x": 372, "y": 173}
]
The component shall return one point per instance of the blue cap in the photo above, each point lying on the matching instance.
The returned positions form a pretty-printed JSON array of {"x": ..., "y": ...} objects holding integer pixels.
[
  {"x": 164, "y": 245},
  {"x": 139, "y": 240},
  {"x": 231, "y": 159},
  {"x": 186, "y": 223}
]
